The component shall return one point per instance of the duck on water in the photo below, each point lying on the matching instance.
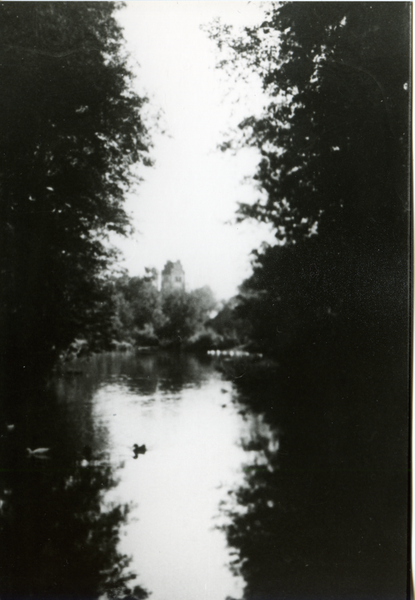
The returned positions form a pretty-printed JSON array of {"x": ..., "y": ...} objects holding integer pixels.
[{"x": 139, "y": 450}]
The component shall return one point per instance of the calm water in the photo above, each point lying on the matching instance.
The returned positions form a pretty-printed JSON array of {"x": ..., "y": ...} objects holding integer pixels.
[
  {"x": 182, "y": 410},
  {"x": 186, "y": 415},
  {"x": 265, "y": 484}
]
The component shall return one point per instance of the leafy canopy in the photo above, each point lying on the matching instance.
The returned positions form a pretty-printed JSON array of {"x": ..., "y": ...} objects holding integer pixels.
[
  {"x": 334, "y": 130},
  {"x": 71, "y": 129},
  {"x": 333, "y": 169}
]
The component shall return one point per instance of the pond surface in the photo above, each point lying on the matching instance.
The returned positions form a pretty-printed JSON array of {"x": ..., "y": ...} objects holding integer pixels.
[
  {"x": 264, "y": 484},
  {"x": 181, "y": 410},
  {"x": 186, "y": 415}
]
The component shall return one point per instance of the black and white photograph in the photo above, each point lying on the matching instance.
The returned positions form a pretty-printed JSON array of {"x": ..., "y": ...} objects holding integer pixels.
[{"x": 206, "y": 298}]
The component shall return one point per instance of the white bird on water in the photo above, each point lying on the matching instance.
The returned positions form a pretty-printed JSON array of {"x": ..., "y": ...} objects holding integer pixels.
[{"x": 38, "y": 452}]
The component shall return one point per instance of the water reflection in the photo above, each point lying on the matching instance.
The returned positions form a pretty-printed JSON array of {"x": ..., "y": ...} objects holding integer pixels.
[
  {"x": 59, "y": 536},
  {"x": 139, "y": 374},
  {"x": 142, "y": 451},
  {"x": 180, "y": 408},
  {"x": 322, "y": 510}
]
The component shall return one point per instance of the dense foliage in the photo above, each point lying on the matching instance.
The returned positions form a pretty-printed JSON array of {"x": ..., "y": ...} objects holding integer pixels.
[
  {"x": 70, "y": 131},
  {"x": 334, "y": 143},
  {"x": 147, "y": 317}
]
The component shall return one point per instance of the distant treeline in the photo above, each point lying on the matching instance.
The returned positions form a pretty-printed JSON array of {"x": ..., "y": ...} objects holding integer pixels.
[{"x": 145, "y": 316}]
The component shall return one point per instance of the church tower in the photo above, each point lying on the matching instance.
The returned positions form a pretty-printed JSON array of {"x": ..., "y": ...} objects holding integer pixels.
[{"x": 172, "y": 278}]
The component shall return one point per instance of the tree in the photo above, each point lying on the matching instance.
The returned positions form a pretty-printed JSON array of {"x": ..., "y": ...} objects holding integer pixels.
[
  {"x": 203, "y": 303},
  {"x": 333, "y": 141},
  {"x": 138, "y": 307},
  {"x": 336, "y": 76},
  {"x": 231, "y": 329},
  {"x": 185, "y": 314},
  {"x": 71, "y": 129},
  {"x": 146, "y": 316}
]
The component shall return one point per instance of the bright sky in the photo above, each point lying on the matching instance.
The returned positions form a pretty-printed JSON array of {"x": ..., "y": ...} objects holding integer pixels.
[{"x": 181, "y": 210}]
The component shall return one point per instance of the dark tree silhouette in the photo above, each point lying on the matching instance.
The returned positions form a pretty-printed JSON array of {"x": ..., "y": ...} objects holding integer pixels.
[
  {"x": 334, "y": 146},
  {"x": 336, "y": 123},
  {"x": 70, "y": 131}
]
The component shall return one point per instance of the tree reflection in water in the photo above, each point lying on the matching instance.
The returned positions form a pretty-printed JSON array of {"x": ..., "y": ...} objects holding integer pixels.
[
  {"x": 257, "y": 513},
  {"x": 59, "y": 537},
  {"x": 322, "y": 512}
]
